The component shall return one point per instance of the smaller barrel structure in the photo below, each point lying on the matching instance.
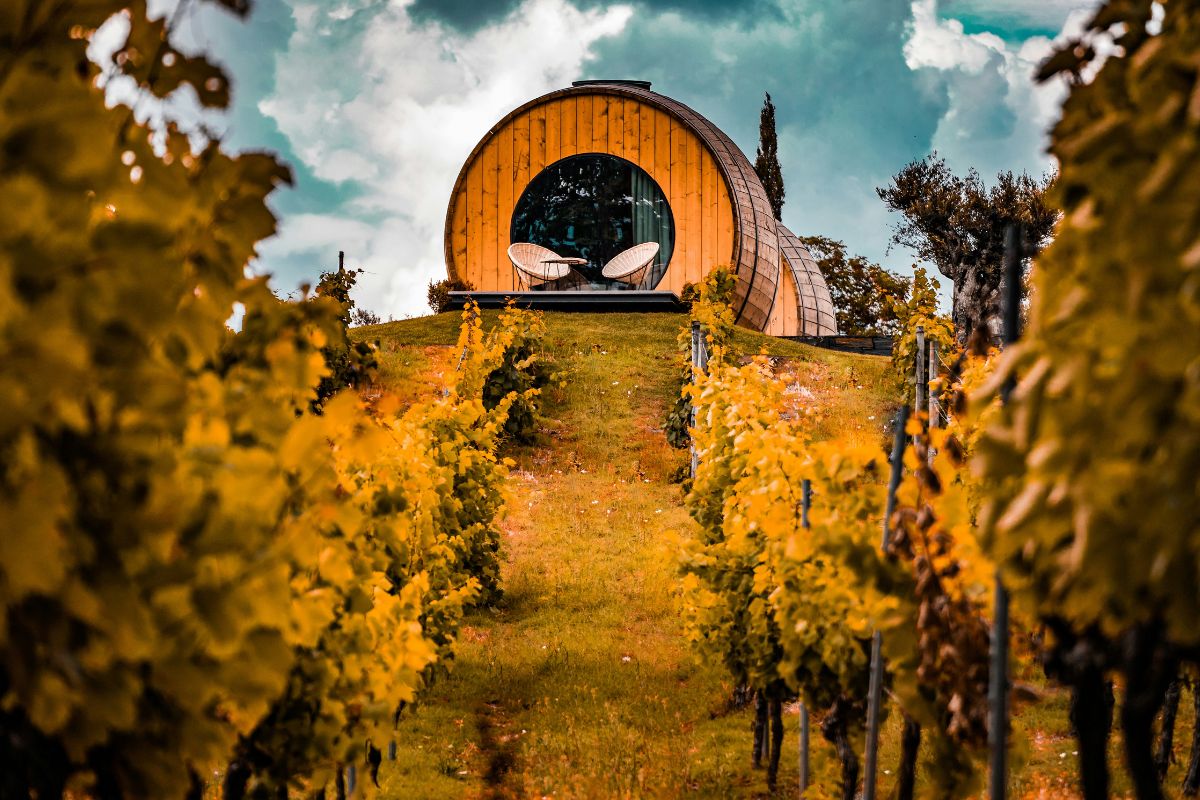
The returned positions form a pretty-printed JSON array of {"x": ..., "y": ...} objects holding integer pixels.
[{"x": 589, "y": 172}]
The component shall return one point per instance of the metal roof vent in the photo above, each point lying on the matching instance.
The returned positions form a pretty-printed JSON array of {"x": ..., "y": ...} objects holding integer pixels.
[{"x": 638, "y": 84}]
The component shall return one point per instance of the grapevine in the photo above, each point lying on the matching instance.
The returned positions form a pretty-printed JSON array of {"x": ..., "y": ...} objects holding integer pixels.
[
  {"x": 1090, "y": 503},
  {"x": 200, "y": 573}
]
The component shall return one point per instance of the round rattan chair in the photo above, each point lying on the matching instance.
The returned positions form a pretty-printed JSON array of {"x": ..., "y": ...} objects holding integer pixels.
[
  {"x": 629, "y": 266},
  {"x": 528, "y": 259}
]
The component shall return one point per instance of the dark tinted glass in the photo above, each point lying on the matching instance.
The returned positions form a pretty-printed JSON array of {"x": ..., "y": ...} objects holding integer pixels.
[{"x": 594, "y": 206}]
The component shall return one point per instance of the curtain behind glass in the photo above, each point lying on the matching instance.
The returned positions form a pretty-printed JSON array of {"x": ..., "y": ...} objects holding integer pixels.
[{"x": 651, "y": 223}]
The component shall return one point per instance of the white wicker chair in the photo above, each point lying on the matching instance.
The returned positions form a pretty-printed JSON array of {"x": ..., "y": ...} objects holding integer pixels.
[
  {"x": 527, "y": 259},
  {"x": 629, "y": 266}
]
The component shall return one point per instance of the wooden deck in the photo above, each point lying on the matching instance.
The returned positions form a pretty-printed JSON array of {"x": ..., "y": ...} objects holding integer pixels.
[{"x": 585, "y": 301}]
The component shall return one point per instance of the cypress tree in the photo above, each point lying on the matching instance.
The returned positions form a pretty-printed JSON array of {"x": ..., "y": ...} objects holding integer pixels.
[{"x": 767, "y": 162}]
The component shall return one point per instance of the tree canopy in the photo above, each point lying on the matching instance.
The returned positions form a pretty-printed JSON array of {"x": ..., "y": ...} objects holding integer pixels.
[
  {"x": 766, "y": 163},
  {"x": 959, "y": 224},
  {"x": 862, "y": 291}
]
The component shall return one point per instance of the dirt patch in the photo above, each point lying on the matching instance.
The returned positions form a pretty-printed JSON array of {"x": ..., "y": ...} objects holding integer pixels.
[{"x": 498, "y": 748}]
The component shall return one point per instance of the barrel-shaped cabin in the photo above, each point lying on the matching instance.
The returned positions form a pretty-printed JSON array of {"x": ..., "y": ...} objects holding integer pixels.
[{"x": 609, "y": 186}]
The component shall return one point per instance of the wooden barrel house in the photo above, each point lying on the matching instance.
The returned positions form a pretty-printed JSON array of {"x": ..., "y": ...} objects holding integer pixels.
[{"x": 609, "y": 186}]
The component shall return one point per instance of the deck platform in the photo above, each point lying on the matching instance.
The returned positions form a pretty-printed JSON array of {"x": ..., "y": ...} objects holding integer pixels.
[{"x": 582, "y": 301}]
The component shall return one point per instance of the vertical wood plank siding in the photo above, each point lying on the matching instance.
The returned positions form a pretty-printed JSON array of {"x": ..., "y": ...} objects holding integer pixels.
[
  {"x": 785, "y": 317},
  {"x": 720, "y": 210},
  {"x": 814, "y": 303}
]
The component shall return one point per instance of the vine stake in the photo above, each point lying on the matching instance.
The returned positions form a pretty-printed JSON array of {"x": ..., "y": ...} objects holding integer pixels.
[
  {"x": 875, "y": 690},
  {"x": 998, "y": 677},
  {"x": 805, "y": 505}
]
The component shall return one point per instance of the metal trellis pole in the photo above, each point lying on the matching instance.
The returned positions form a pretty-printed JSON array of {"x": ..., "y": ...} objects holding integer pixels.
[
  {"x": 875, "y": 690},
  {"x": 805, "y": 505},
  {"x": 998, "y": 675}
]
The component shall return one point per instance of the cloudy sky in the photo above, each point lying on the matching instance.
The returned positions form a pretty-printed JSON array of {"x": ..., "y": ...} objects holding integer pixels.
[{"x": 376, "y": 103}]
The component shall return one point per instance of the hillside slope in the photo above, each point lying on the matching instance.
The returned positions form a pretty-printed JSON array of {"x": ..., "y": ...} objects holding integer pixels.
[{"x": 580, "y": 683}]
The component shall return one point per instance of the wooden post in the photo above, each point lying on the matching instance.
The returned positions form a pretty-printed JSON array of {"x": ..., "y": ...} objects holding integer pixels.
[
  {"x": 696, "y": 339},
  {"x": 998, "y": 674},
  {"x": 875, "y": 689},
  {"x": 805, "y": 505},
  {"x": 935, "y": 406},
  {"x": 922, "y": 384}
]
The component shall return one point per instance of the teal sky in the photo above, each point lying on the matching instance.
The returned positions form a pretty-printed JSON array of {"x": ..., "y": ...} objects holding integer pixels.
[{"x": 376, "y": 104}]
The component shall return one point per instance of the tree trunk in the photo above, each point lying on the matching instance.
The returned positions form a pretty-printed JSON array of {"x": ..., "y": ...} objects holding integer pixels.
[
  {"x": 1137, "y": 725},
  {"x": 963, "y": 311},
  {"x": 760, "y": 729},
  {"x": 976, "y": 305},
  {"x": 836, "y": 729},
  {"x": 1091, "y": 721},
  {"x": 1166, "y": 737},
  {"x": 106, "y": 786},
  {"x": 1191, "y": 784},
  {"x": 910, "y": 744},
  {"x": 1148, "y": 669},
  {"x": 237, "y": 776},
  {"x": 339, "y": 783},
  {"x": 195, "y": 786},
  {"x": 374, "y": 760},
  {"x": 33, "y": 764},
  {"x": 776, "y": 709}
]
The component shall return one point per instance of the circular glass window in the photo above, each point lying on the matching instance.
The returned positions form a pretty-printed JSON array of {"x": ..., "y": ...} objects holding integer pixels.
[{"x": 595, "y": 206}]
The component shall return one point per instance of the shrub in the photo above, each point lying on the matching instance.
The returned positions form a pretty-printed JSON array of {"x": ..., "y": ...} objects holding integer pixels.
[{"x": 439, "y": 293}]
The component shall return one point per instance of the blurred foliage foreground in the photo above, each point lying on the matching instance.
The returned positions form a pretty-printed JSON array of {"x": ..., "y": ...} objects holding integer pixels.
[{"x": 211, "y": 559}]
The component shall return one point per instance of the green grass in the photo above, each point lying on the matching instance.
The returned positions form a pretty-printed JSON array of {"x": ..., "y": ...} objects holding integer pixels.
[{"x": 579, "y": 683}]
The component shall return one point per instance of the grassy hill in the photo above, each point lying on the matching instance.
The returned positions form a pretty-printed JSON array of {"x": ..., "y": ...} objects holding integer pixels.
[{"x": 580, "y": 683}]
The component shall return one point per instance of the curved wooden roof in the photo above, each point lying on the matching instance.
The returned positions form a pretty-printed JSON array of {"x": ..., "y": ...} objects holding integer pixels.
[
  {"x": 817, "y": 317},
  {"x": 756, "y": 254}
]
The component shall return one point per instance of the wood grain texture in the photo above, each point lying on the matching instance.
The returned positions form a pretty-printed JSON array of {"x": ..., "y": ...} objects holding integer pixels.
[
  {"x": 505, "y": 170},
  {"x": 719, "y": 208},
  {"x": 785, "y": 314},
  {"x": 569, "y": 143},
  {"x": 474, "y": 276},
  {"x": 490, "y": 273},
  {"x": 813, "y": 300},
  {"x": 553, "y": 132},
  {"x": 600, "y": 106},
  {"x": 646, "y": 148},
  {"x": 693, "y": 235},
  {"x": 537, "y": 141},
  {"x": 583, "y": 117},
  {"x": 631, "y": 141},
  {"x": 679, "y": 205},
  {"x": 616, "y": 126}
]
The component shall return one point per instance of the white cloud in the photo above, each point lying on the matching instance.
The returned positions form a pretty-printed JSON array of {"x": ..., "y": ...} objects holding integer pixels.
[
  {"x": 998, "y": 118},
  {"x": 304, "y": 233},
  {"x": 367, "y": 95}
]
